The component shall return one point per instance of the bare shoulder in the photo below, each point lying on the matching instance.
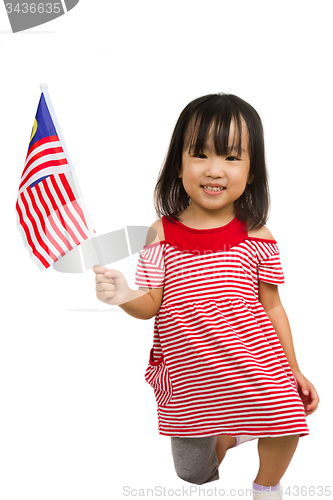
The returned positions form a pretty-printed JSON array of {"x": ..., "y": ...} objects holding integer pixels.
[
  {"x": 157, "y": 234},
  {"x": 262, "y": 232},
  {"x": 158, "y": 226}
]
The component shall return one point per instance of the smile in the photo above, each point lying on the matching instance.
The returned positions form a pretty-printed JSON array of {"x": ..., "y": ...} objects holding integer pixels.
[{"x": 213, "y": 191}]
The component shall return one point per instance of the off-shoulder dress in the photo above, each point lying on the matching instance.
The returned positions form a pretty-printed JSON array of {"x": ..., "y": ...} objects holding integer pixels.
[{"x": 216, "y": 364}]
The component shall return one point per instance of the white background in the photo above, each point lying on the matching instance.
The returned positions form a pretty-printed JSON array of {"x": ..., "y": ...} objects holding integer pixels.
[{"x": 78, "y": 421}]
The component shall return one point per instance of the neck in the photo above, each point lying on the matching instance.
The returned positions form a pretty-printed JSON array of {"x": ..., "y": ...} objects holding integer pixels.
[{"x": 201, "y": 217}]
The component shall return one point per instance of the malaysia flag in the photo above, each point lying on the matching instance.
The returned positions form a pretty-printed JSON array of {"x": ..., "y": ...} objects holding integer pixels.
[{"x": 50, "y": 216}]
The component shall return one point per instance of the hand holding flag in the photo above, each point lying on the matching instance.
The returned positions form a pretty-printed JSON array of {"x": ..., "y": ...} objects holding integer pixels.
[{"x": 52, "y": 216}]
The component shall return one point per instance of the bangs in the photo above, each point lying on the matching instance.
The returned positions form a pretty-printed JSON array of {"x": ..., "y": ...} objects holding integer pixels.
[{"x": 214, "y": 123}]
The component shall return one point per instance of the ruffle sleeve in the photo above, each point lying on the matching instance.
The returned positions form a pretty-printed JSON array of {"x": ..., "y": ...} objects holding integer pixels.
[
  {"x": 269, "y": 263},
  {"x": 150, "y": 270}
]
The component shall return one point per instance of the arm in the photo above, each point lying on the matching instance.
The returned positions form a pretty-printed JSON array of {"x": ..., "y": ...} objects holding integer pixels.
[
  {"x": 143, "y": 305},
  {"x": 270, "y": 300},
  {"x": 112, "y": 287},
  {"x": 269, "y": 297}
]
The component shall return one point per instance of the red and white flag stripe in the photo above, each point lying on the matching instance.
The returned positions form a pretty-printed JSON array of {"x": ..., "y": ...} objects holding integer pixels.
[
  {"x": 46, "y": 157},
  {"x": 52, "y": 219}
]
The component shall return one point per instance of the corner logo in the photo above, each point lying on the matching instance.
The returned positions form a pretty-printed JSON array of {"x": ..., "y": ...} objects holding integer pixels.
[{"x": 28, "y": 14}]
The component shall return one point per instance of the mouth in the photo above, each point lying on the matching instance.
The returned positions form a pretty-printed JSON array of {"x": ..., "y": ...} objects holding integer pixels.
[{"x": 213, "y": 188}]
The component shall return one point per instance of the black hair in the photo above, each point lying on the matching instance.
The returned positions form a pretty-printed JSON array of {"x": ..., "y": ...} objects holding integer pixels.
[{"x": 191, "y": 130}]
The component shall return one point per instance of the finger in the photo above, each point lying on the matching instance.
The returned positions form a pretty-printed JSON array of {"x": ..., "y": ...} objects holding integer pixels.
[
  {"x": 314, "y": 399},
  {"x": 105, "y": 287},
  {"x": 312, "y": 406},
  {"x": 309, "y": 412},
  {"x": 313, "y": 394},
  {"x": 101, "y": 278},
  {"x": 105, "y": 295},
  {"x": 99, "y": 269},
  {"x": 113, "y": 273},
  {"x": 305, "y": 390}
]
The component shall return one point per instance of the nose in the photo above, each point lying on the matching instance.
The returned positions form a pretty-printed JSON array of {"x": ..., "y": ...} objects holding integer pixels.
[{"x": 215, "y": 167}]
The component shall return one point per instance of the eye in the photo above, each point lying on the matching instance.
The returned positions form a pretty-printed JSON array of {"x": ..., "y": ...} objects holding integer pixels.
[
  {"x": 232, "y": 158},
  {"x": 201, "y": 155}
]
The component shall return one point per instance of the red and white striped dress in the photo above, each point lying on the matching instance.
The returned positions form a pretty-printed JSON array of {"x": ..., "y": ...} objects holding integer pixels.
[{"x": 216, "y": 365}]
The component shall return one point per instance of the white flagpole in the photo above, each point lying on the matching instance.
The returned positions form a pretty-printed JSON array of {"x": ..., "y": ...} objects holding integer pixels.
[{"x": 44, "y": 89}]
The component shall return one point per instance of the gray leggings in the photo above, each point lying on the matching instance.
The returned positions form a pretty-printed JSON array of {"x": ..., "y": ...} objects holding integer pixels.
[{"x": 195, "y": 459}]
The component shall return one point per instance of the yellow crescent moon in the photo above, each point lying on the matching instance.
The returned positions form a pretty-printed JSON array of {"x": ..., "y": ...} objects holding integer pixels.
[{"x": 34, "y": 129}]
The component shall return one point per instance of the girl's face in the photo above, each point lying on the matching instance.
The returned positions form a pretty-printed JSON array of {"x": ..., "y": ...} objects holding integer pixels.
[{"x": 229, "y": 172}]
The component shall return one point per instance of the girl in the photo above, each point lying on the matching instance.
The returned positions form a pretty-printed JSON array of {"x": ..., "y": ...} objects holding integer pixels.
[{"x": 222, "y": 365}]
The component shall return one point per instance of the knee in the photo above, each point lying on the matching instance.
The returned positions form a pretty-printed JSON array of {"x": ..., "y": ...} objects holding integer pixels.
[
  {"x": 191, "y": 477},
  {"x": 195, "y": 459},
  {"x": 197, "y": 475}
]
